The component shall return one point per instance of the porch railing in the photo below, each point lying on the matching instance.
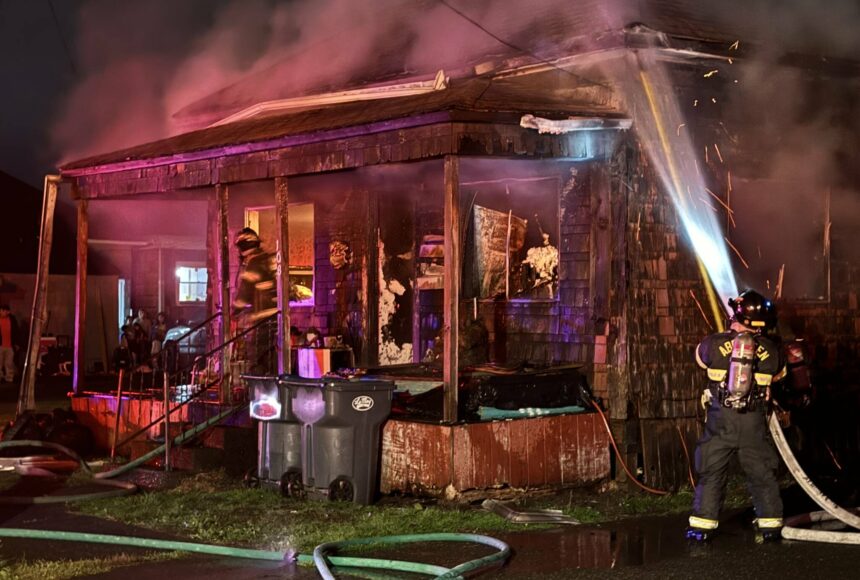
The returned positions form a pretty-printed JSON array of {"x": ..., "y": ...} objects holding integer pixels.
[{"x": 196, "y": 379}]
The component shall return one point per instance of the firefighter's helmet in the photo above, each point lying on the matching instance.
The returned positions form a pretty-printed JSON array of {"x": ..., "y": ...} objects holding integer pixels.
[
  {"x": 754, "y": 310},
  {"x": 247, "y": 239}
]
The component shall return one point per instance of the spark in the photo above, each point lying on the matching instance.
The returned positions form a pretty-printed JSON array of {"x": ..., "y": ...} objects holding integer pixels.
[
  {"x": 678, "y": 130},
  {"x": 729, "y": 208},
  {"x": 706, "y": 154},
  {"x": 729, "y": 180},
  {"x": 720, "y": 155},
  {"x": 779, "y": 280},
  {"x": 705, "y": 201},
  {"x": 731, "y": 61},
  {"x": 638, "y": 222},
  {"x": 737, "y": 253},
  {"x": 735, "y": 45},
  {"x": 701, "y": 310},
  {"x": 695, "y": 102},
  {"x": 714, "y": 100},
  {"x": 832, "y": 456},
  {"x": 711, "y": 73},
  {"x": 722, "y": 203},
  {"x": 728, "y": 135}
]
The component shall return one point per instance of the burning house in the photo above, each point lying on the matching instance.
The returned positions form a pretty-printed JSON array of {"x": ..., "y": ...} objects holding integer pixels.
[{"x": 518, "y": 211}]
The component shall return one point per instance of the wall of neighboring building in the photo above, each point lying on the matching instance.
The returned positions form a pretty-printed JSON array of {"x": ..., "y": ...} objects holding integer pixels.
[
  {"x": 102, "y": 312},
  {"x": 145, "y": 283}
]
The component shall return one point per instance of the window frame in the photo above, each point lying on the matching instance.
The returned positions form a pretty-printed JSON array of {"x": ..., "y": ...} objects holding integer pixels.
[
  {"x": 191, "y": 265},
  {"x": 255, "y": 225}
]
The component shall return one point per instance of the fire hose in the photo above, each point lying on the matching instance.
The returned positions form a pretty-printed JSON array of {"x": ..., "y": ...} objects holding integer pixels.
[{"x": 831, "y": 511}]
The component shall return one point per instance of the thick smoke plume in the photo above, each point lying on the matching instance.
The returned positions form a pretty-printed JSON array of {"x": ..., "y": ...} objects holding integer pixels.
[{"x": 141, "y": 62}]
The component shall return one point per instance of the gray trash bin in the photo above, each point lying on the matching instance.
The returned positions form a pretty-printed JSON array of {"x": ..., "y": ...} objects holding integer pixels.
[
  {"x": 345, "y": 441},
  {"x": 279, "y": 434}
]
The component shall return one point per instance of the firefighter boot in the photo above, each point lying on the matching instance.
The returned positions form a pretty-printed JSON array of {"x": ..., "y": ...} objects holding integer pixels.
[
  {"x": 698, "y": 535},
  {"x": 768, "y": 535}
]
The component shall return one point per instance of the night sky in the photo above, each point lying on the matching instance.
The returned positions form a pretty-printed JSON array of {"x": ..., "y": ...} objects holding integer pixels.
[
  {"x": 36, "y": 71},
  {"x": 44, "y": 57}
]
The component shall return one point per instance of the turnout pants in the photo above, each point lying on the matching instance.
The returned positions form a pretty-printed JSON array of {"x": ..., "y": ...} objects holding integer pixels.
[{"x": 728, "y": 432}]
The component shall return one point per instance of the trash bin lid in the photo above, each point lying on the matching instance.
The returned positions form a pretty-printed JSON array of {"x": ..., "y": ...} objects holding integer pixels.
[
  {"x": 359, "y": 385},
  {"x": 339, "y": 384}
]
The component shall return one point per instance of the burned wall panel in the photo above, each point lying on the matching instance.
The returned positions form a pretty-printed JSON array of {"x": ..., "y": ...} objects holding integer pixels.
[{"x": 396, "y": 273}]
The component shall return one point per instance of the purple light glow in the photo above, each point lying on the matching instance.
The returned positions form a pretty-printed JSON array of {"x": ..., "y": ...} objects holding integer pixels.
[{"x": 308, "y": 404}]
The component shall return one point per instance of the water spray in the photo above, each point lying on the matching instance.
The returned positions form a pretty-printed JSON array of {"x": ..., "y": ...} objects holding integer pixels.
[{"x": 681, "y": 181}]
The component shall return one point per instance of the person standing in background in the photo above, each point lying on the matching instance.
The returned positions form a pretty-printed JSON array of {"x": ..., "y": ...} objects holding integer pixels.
[
  {"x": 144, "y": 321},
  {"x": 8, "y": 343}
]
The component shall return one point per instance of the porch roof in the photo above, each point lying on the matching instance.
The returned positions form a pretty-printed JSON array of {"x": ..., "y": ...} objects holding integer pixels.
[{"x": 554, "y": 94}]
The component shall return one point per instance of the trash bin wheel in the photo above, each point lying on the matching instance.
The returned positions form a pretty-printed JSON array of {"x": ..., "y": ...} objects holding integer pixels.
[
  {"x": 251, "y": 480},
  {"x": 291, "y": 485},
  {"x": 341, "y": 489}
]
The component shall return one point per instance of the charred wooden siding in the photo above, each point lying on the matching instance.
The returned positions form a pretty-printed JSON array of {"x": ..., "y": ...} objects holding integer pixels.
[
  {"x": 658, "y": 382},
  {"x": 522, "y": 453}
]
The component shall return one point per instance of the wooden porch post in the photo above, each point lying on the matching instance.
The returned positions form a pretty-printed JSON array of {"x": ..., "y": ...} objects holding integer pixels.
[
  {"x": 451, "y": 290},
  {"x": 27, "y": 394},
  {"x": 221, "y": 200},
  {"x": 81, "y": 297},
  {"x": 282, "y": 258}
]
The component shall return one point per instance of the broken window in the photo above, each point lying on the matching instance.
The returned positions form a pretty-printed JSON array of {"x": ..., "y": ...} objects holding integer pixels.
[
  {"x": 301, "y": 233},
  {"x": 511, "y": 240},
  {"x": 191, "y": 281}
]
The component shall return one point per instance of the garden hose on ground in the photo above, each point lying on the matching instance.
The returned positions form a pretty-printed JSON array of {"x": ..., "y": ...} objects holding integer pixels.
[
  {"x": 319, "y": 557},
  {"x": 179, "y": 440},
  {"x": 118, "y": 488},
  {"x": 831, "y": 510}
]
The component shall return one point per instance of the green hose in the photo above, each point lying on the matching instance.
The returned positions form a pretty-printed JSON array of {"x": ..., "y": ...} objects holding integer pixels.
[
  {"x": 319, "y": 558},
  {"x": 118, "y": 488},
  {"x": 179, "y": 440},
  {"x": 141, "y": 543}
]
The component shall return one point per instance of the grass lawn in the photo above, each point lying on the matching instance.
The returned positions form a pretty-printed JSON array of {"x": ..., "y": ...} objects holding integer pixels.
[
  {"x": 63, "y": 569},
  {"x": 213, "y": 509}
]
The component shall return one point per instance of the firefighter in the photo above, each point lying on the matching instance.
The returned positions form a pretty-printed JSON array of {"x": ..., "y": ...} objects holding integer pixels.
[
  {"x": 256, "y": 299},
  {"x": 256, "y": 294},
  {"x": 741, "y": 364}
]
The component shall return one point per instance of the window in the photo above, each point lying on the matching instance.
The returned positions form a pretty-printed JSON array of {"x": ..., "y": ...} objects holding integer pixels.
[
  {"x": 301, "y": 232},
  {"x": 191, "y": 280},
  {"x": 511, "y": 241}
]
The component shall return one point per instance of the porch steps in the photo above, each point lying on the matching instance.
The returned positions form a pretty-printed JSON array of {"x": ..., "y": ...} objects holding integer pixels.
[{"x": 232, "y": 448}]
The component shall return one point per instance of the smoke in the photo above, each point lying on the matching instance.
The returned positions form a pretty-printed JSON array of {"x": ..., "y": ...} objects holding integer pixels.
[
  {"x": 793, "y": 111},
  {"x": 142, "y": 62}
]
